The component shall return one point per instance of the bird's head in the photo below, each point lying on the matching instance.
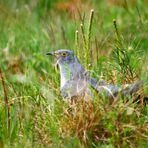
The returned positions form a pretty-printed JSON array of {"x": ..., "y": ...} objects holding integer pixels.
[{"x": 63, "y": 56}]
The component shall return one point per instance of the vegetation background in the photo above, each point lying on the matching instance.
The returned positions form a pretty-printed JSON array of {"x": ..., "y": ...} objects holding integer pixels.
[{"x": 110, "y": 39}]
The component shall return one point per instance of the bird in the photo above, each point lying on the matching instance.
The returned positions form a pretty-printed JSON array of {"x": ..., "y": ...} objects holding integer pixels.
[{"x": 76, "y": 81}]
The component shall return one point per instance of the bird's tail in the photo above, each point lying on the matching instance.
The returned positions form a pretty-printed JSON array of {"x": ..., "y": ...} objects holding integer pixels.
[{"x": 132, "y": 88}]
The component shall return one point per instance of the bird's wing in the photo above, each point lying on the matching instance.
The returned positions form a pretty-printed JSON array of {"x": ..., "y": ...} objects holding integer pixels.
[
  {"x": 94, "y": 82},
  {"x": 103, "y": 87}
]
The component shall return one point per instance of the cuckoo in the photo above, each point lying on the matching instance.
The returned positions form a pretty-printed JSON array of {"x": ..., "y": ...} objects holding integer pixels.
[{"x": 76, "y": 81}]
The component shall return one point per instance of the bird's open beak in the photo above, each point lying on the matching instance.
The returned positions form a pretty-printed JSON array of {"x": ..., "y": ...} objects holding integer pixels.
[{"x": 50, "y": 53}]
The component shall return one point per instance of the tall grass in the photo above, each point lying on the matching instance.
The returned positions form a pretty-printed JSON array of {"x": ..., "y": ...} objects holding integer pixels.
[{"x": 32, "y": 112}]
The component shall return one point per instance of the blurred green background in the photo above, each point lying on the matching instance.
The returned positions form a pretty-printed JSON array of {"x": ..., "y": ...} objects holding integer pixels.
[{"x": 29, "y": 29}]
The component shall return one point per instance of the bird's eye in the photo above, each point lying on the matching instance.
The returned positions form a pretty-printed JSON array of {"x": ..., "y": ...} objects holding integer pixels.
[{"x": 64, "y": 54}]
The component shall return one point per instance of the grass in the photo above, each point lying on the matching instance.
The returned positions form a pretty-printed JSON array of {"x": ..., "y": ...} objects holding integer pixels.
[{"x": 32, "y": 112}]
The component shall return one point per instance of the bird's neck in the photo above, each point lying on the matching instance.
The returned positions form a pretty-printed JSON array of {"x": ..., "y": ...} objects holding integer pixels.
[{"x": 70, "y": 71}]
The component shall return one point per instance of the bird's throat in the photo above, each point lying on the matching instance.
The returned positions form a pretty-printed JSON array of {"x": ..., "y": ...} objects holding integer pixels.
[{"x": 66, "y": 74}]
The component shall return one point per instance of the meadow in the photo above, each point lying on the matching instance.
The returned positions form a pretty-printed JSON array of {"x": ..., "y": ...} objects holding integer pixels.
[{"x": 110, "y": 40}]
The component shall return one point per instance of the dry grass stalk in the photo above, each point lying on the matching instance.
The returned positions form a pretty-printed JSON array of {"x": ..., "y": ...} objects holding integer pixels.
[{"x": 6, "y": 100}]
